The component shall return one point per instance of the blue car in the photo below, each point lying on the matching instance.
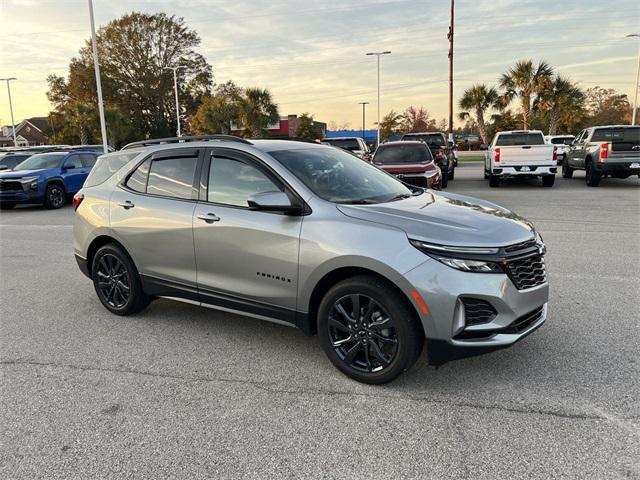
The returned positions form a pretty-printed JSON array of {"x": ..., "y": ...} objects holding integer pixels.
[{"x": 46, "y": 178}]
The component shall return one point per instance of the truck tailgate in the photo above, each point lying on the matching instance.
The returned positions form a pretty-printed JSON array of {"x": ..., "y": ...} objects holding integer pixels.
[{"x": 526, "y": 155}]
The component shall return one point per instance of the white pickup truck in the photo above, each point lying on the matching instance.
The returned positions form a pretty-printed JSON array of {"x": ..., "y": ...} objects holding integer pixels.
[{"x": 520, "y": 153}]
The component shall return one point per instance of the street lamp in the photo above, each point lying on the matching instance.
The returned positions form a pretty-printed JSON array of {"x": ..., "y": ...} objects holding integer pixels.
[
  {"x": 13, "y": 123},
  {"x": 635, "y": 88},
  {"x": 363, "y": 124},
  {"x": 96, "y": 67},
  {"x": 175, "y": 87},
  {"x": 378, "y": 54}
]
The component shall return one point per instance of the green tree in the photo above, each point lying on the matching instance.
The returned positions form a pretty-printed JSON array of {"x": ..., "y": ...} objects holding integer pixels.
[
  {"x": 257, "y": 112},
  {"x": 525, "y": 81},
  {"x": 504, "y": 120},
  {"x": 391, "y": 124},
  {"x": 134, "y": 52},
  {"x": 475, "y": 102},
  {"x": 219, "y": 112},
  {"x": 306, "y": 128},
  {"x": 560, "y": 98},
  {"x": 605, "y": 106}
]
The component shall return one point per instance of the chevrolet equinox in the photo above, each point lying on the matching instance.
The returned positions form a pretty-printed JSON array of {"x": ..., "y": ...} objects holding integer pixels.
[{"x": 311, "y": 236}]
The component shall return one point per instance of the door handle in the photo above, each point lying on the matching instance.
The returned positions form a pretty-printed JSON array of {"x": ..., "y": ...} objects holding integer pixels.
[
  {"x": 127, "y": 204},
  {"x": 209, "y": 217}
]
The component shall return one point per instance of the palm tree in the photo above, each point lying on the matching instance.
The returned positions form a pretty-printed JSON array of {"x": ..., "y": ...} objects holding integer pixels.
[
  {"x": 257, "y": 111},
  {"x": 478, "y": 99},
  {"x": 525, "y": 80},
  {"x": 560, "y": 96}
]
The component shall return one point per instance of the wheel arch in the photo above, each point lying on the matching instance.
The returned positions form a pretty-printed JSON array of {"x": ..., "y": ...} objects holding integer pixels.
[
  {"x": 55, "y": 180},
  {"x": 99, "y": 242}
]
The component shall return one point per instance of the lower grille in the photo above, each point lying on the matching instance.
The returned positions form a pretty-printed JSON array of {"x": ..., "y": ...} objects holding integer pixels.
[
  {"x": 477, "y": 311},
  {"x": 527, "y": 272},
  {"x": 522, "y": 323},
  {"x": 10, "y": 186}
]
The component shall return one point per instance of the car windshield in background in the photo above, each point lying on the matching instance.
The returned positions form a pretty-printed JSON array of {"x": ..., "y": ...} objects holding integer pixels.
[
  {"x": 402, "y": 154},
  {"x": 617, "y": 135},
  {"x": 10, "y": 161},
  {"x": 106, "y": 166},
  {"x": 339, "y": 177},
  {"x": 41, "y": 161},
  {"x": 435, "y": 139},
  {"x": 345, "y": 144},
  {"x": 514, "y": 139},
  {"x": 562, "y": 140}
]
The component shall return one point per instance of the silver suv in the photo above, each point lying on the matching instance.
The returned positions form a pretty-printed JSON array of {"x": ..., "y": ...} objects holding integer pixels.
[{"x": 313, "y": 237}]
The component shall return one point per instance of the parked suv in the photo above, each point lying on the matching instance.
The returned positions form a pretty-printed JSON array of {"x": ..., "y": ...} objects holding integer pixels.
[
  {"x": 410, "y": 162},
  {"x": 607, "y": 151},
  {"x": 441, "y": 150},
  {"x": 355, "y": 145},
  {"x": 310, "y": 236},
  {"x": 45, "y": 178}
]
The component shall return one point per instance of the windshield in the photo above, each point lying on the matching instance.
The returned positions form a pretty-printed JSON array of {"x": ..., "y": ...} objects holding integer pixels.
[
  {"x": 350, "y": 144},
  {"x": 562, "y": 140},
  {"x": 10, "y": 161},
  {"x": 41, "y": 161},
  {"x": 339, "y": 177},
  {"x": 431, "y": 139},
  {"x": 516, "y": 139},
  {"x": 402, "y": 154}
]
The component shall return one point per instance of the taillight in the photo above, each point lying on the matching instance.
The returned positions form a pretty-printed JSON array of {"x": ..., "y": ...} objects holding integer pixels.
[
  {"x": 604, "y": 151},
  {"x": 496, "y": 157},
  {"x": 77, "y": 200},
  {"x": 555, "y": 154}
]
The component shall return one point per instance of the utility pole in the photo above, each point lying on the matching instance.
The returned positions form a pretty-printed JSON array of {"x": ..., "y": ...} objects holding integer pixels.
[
  {"x": 175, "y": 87},
  {"x": 363, "y": 124},
  {"x": 450, "y": 37},
  {"x": 13, "y": 123},
  {"x": 96, "y": 66},
  {"x": 378, "y": 54},
  {"x": 635, "y": 87}
]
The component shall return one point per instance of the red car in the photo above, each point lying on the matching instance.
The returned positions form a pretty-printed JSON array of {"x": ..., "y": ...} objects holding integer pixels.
[{"x": 411, "y": 162}]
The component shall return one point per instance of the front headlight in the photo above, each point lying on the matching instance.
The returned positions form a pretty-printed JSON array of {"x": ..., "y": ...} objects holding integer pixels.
[
  {"x": 451, "y": 256},
  {"x": 28, "y": 179}
]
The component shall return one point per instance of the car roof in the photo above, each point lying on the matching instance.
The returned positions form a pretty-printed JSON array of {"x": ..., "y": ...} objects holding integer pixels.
[
  {"x": 520, "y": 131},
  {"x": 341, "y": 138},
  {"x": 421, "y": 133},
  {"x": 404, "y": 143},
  {"x": 614, "y": 126},
  {"x": 264, "y": 145}
]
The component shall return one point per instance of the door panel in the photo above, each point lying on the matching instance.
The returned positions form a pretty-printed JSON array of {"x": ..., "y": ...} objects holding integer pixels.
[
  {"x": 248, "y": 255},
  {"x": 75, "y": 173}
]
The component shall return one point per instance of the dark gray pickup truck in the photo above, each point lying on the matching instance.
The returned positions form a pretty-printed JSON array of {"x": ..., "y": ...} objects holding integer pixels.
[{"x": 606, "y": 151}]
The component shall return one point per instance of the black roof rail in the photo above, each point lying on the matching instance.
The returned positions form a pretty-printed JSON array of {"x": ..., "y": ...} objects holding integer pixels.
[
  {"x": 193, "y": 138},
  {"x": 288, "y": 139}
]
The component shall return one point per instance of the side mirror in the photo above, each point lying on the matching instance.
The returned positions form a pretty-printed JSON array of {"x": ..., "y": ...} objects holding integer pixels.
[
  {"x": 273, "y": 202},
  {"x": 484, "y": 146}
]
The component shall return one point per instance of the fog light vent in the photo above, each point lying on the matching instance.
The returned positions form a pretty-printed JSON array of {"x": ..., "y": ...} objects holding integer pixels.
[{"x": 477, "y": 311}]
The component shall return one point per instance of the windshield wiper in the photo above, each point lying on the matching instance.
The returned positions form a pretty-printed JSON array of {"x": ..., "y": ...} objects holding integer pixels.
[
  {"x": 360, "y": 201},
  {"x": 400, "y": 196}
]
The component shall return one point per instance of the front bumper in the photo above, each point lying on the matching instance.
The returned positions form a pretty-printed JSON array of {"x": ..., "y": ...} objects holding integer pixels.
[
  {"x": 432, "y": 180},
  {"x": 443, "y": 288},
  {"x": 20, "y": 197},
  {"x": 529, "y": 170}
]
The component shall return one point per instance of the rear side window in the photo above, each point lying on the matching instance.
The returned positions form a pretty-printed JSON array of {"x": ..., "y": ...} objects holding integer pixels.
[
  {"x": 232, "y": 182},
  {"x": 73, "y": 162},
  {"x": 513, "y": 139},
  {"x": 106, "y": 166},
  {"x": 617, "y": 135},
  {"x": 88, "y": 160},
  {"x": 138, "y": 179},
  {"x": 402, "y": 154},
  {"x": 172, "y": 177}
]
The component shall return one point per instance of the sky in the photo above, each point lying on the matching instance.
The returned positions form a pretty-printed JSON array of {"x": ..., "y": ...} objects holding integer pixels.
[{"x": 311, "y": 55}]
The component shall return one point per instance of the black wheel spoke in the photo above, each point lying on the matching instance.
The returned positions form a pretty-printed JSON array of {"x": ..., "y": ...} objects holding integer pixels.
[
  {"x": 355, "y": 303},
  {"x": 333, "y": 323},
  {"x": 377, "y": 352},
  {"x": 370, "y": 308},
  {"x": 339, "y": 343},
  {"x": 113, "y": 281},
  {"x": 367, "y": 358},
  {"x": 384, "y": 339},
  {"x": 380, "y": 324},
  {"x": 352, "y": 352},
  {"x": 343, "y": 312}
]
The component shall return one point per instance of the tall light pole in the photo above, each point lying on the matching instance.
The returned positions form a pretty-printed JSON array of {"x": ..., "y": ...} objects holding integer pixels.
[
  {"x": 13, "y": 123},
  {"x": 378, "y": 54},
  {"x": 363, "y": 124},
  {"x": 175, "y": 87},
  {"x": 450, "y": 37},
  {"x": 635, "y": 89},
  {"x": 96, "y": 67}
]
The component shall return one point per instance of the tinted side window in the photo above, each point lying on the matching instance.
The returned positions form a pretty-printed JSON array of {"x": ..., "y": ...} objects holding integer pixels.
[
  {"x": 88, "y": 159},
  {"x": 73, "y": 162},
  {"x": 138, "y": 179},
  {"x": 172, "y": 177},
  {"x": 232, "y": 182}
]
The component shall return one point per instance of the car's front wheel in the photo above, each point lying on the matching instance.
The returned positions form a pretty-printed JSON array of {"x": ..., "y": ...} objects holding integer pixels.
[
  {"x": 368, "y": 330},
  {"x": 567, "y": 171},
  {"x": 117, "y": 282},
  {"x": 54, "y": 196},
  {"x": 591, "y": 176}
]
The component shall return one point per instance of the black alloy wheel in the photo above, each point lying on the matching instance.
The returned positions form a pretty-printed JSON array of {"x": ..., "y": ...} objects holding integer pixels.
[
  {"x": 362, "y": 333},
  {"x": 55, "y": 196},
  {"x": 591, "y": 176}
]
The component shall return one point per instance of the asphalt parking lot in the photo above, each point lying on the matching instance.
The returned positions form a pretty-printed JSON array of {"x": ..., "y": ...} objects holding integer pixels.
[{"x": 184, "y": 392}]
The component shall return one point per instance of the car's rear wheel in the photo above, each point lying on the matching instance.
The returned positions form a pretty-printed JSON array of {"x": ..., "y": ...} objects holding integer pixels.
[
  {"x": 54, "y": 196},
  {"x": 592, "y": 177},
  {"x": 368, "y": 330},
  {"x": 567, "y": 171},
  {"x": 494, "y": 181},
  {"x": 548, "y": 180},
  {"x": 117, "y": 282}
]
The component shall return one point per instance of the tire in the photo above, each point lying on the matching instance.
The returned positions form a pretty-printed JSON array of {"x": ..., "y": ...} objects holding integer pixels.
[
  {"x": 116, "y": 281},
  {"x": 486, "y": 175},
  {"x": 358, "y": 338},
  {"x": 592, "y": 177},
  {"x": 54, "y": 196},
  {"x": 445, "y": 179},
  {"x": 452, "y": 173},
  {"x": 548, "y": 180},
  {"x": 567, "y": 171},
  {"x": 7, "y": 206},
  {"x": 494, "y": 181}
]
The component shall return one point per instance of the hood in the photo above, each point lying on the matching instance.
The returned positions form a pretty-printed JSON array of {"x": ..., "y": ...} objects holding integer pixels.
[
  {"x": 448, "y": 219},
  {"x": 396, "y": 168},
  {"x": 6, "y": 174}
]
